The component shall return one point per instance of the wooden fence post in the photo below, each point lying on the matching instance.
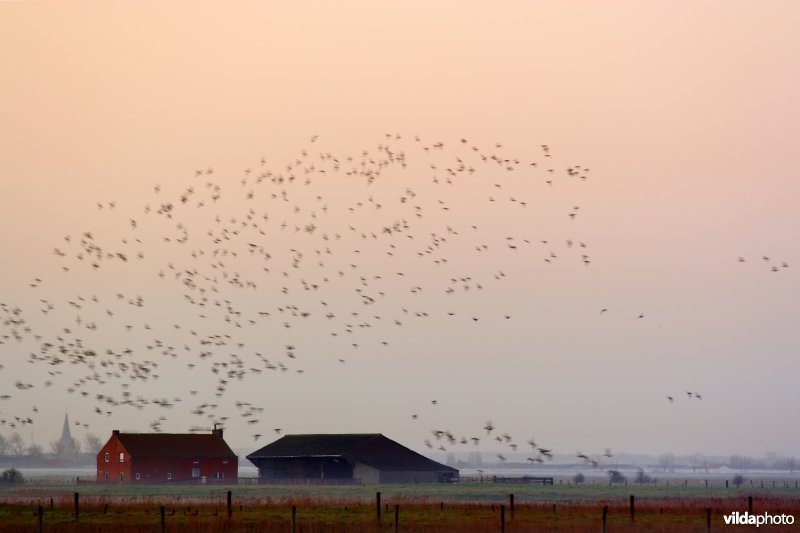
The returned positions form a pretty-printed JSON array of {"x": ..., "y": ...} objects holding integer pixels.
[
  {"x": 230, "y": 509},
  {"x": 294, "y": 518},
  {"x": 632, "y": 515},
  {"x": 396, "y": 517},
  {"x": 605, "y": 515},
  {"x": 41, "y": 519},
  {"x": 502, "y": 518},
  {"x": 163, "y": 520},
  {"x": 378, "y": 506},
  {"x": 77, "y": 506},
  {"x": 708, "y": 519},
  {"x": 750, "y": 504},
  {"x": 511, "y": 505}
]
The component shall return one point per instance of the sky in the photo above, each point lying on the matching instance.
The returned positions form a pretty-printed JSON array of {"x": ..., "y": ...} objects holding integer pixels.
[{"x": 610, "y": 219}]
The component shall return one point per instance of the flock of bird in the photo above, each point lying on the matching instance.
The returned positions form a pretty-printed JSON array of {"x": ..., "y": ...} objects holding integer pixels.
[{"x": 228, "y": 277}]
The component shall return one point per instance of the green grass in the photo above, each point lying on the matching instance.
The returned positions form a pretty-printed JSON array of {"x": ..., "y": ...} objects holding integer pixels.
[{"x": 407, "y": 492}]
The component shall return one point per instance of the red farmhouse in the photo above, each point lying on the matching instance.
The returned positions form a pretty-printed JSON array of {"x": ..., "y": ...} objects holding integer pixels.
[{"x": 166, "y": 457}]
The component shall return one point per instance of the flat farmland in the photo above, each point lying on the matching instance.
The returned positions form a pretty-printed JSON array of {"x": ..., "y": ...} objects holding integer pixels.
[{"x": 480, "y": 507}]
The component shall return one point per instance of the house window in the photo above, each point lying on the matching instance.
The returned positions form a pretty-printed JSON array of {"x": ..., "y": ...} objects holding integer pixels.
[
  {"x": 121, "y": 457},
  {"x": 169, "y": 475},
  {"x": 105, "y": 475},
  {"x": 105, "y": 457},
  {"x": 195, "y": 472},
  {"x": 219, "y": 475},
  {"x": 225, "y": 461},
  {"x": 196, "y": 460},
  {"x": 122, "y": 476},
  {"x": 138, "y": 476}
]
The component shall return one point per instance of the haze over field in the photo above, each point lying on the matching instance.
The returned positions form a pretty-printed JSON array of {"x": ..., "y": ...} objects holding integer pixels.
[{"x": 349, "y": 218}]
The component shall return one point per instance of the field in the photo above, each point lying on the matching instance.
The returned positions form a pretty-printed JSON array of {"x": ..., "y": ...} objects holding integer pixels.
[{"x": 464, "y": 507}]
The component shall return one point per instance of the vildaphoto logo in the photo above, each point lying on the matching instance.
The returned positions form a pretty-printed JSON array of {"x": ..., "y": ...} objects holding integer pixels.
[{"x": 765, "y": 519}]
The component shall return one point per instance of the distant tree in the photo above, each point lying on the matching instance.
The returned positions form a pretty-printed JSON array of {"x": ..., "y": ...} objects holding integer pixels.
[
  {"x": 615, "y": 476},
  {"x": 642, "y": 478},
  {"x": 699, "y": 460},
  {"x": 34, "y": 450},
  {"x": 667, "y": 462},
  {"x": 475, "y": 459},
  {"x": 3, "y": 445},
  {"x": 771, "y": 460},
  {"x": 743, "y": 462},
  {"x": 12, "y": 475},
  {"x": 16, "y": 446},
  {"x": 738, "y": 480},
  {"x": 93, "y": 443},
  {"x": 66, "y": 450},
  {"x": 578, "y": 478}
]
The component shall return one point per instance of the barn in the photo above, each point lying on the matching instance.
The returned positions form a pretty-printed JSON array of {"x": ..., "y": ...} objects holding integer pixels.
[
  {"x": 166, "y": 457},
  {"x": 360, "y": 458}
]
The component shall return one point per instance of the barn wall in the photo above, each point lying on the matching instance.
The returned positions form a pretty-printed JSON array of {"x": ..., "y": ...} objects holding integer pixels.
[
  {"x": 303, "y": 468},
  {"x": 366, "y": 473}
]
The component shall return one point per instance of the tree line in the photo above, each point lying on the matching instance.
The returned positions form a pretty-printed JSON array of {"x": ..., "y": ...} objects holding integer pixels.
[{"x": 14, "y": 444}]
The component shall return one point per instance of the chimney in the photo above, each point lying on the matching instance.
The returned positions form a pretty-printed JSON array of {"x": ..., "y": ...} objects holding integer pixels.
[
  {"x": 217, "y": 432},
  {"x": 115, "y": 432}
]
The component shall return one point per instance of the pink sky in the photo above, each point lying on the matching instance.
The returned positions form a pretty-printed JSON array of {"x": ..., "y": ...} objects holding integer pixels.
[{"x": 686, "y": 113}]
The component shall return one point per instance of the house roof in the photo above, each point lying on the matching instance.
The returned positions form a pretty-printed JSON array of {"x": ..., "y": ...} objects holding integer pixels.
[
  {"x": 315, "y": 445},
  {"x": 372, "y": 449},
  {"x": 174, "y": 445}
]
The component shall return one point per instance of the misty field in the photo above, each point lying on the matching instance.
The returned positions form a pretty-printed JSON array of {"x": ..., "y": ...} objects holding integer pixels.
[{"x": 415, "y": 507}]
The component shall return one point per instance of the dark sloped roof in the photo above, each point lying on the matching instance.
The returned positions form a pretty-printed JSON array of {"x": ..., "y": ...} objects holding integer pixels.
[
  {"x": 372, "y": 449},
  {"x": 314, "y": 445},
  {"x": 175, "y": 445}
]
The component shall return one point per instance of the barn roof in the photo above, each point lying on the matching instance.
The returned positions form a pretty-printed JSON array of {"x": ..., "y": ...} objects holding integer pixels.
[
  {"x": 316, "y": 445},
  {"x": 175, "y": 445},
  {"x": 372, "y": 449}
]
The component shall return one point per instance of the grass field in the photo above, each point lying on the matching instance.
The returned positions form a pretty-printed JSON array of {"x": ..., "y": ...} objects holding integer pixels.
[{"x": 126, "y": 508}]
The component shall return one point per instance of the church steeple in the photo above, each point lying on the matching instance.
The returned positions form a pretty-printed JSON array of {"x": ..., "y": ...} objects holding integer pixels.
[
  {"x": 66, "y": 436},
  {"x": 67, "y": 450}
]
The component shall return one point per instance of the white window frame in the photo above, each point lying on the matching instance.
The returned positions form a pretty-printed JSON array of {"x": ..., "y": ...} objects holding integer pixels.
[
  {"x": 121, "y": 457},
  {"x": 138, "y": 476},
  {"x": 169, "y": 476},
  {"x": 107, "y": 457}
]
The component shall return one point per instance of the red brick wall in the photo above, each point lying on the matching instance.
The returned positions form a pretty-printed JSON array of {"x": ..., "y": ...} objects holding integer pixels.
[
  {"x": 109, "y": 471},
  {"x": 155, "y": 469}
]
